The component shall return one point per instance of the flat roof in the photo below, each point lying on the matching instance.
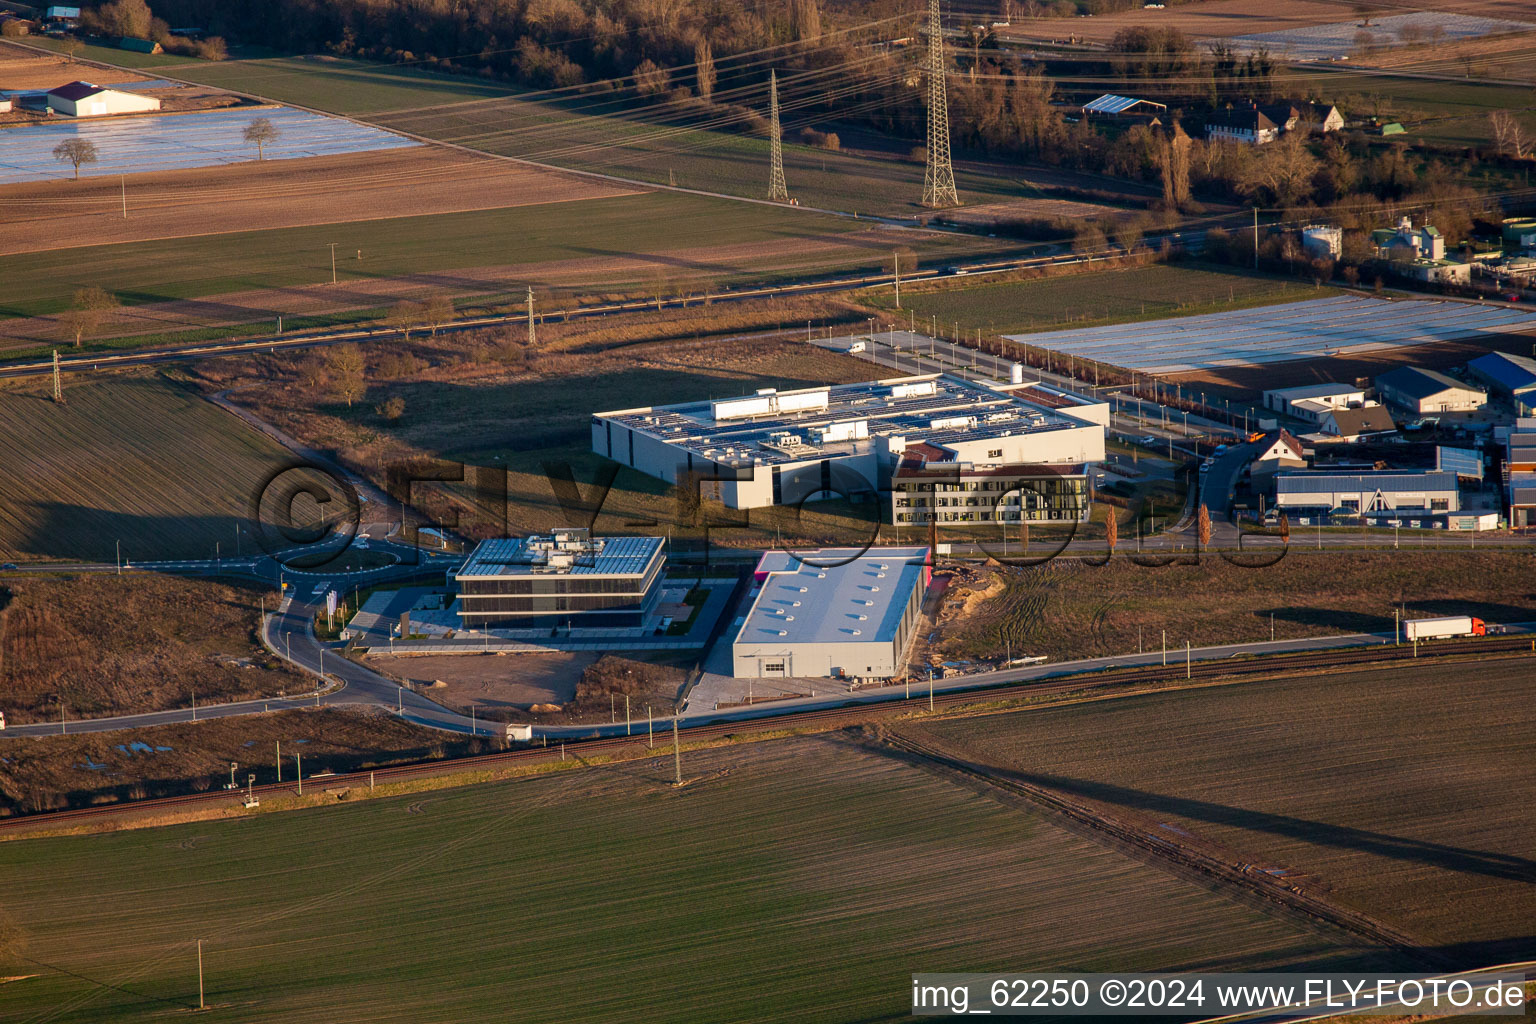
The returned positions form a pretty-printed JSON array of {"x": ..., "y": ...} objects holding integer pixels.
[
  {"x": 1306, "y": 391},
  {"x": 620, "y": 556},
  {"x": 745, "y": 440},
  {"x": 833, "y": 595}
]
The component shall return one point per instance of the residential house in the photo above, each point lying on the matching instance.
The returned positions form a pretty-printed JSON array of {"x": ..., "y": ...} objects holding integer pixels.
[{"x": 1355, "y": 424}]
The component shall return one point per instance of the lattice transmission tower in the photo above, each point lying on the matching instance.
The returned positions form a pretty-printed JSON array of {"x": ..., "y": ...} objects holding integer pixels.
[
  {"x": 939, "y": 176},
  {"x": 776, "y": 190}
]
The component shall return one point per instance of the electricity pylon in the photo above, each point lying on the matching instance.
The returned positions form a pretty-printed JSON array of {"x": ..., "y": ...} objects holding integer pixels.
[
  {"x": 939, "y": 176},
  {"x": 530, "y": 316},
  {"x": 776, "y": 191},
  {"x": 58, "y": 385}
]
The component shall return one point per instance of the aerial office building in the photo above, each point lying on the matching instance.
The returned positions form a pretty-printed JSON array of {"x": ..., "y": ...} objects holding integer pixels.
[
  {"x": 567, "y": 578},
  {"x": 849, "y": 440}
]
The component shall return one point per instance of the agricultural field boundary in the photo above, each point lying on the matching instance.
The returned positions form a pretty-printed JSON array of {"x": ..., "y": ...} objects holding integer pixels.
[{"x": 1182, "y": 860}]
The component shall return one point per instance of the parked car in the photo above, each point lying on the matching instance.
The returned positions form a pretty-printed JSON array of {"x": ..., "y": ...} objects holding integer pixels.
[{"x": 1149, "y": 439}]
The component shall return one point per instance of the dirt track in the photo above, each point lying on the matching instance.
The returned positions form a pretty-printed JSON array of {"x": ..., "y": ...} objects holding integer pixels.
[{"x": 280, "y": 193}]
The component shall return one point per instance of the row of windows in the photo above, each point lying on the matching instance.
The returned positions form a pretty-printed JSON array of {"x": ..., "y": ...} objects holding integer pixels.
[
  {"x": 548, "y": 585},
  {"x": 480, "y": 605},
  {"x": 1052, "y": 485},
  {"x": 1002, "y": 516},
  {"x": 1029, "y": 501}
]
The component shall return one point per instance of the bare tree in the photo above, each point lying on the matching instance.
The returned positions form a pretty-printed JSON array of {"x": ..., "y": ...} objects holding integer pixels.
[
  {"x": 76, "y": 152},
  {"x": 1203, "y": 527},
  {"x": 704, "y": 69},
  {"x": 260, "y": 133},
  {"x": 90, "y": 307},
  {"x": 1508, "y": 136},
  {"x": 406, "y": 314},
  {"x": 1111, "y": 530},
  {"x": 346, "y": 364},
  {"x": 1285, "y": 528},
  {"x": 437, "y": 310}
]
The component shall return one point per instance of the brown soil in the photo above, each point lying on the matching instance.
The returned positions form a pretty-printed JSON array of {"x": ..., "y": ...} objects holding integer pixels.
[
  {"x": 629, "y": 270},
  {"x": 53, "y": 772},
  {"x": 1219, "y": 18},
  {"x": 489, "y": 681},
  {"x": 1250, "y": 382},
  {"x": 22, "y": 68},
  {"x": 110, "y": 645},
  {"x": 281, "y": 193},
  {"x": 991, "y": 213}
]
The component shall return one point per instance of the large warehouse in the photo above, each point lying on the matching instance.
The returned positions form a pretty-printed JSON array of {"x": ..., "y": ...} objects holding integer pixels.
[
  {"x": 1419, "y": 390},
  {"x": 82, "y": 99},
  {"x": 842, "y": 612},
  {"x": 568, "y": 578},
  {"x": 1368, "y": 492},
  {"x": 1509, "y": 375},
  {"x": 785, "y": 447}
]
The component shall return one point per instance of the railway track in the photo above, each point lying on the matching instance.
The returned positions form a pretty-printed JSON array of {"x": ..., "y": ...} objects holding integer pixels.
[{"x": 1108, "y": 680}]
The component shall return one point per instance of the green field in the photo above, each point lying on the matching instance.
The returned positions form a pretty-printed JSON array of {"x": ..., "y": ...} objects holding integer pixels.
[
  {"x": 139, "y": 460},
  {"x": 1098, "y": 297},
  {"x": 1405, "y": 793},
  {"x": 182, "y": 268},
  {"x": 593, "y": 132},
  {"x": 1436, "y": 111},
  {"x": 1067, "y": 610},
  {"x": 801, "y": 880}
]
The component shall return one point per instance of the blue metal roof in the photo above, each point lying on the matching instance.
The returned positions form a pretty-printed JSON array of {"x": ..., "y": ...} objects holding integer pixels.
[
  {"x": 1513, "y": 373},
  {"x": 834, "y": 595},
  {"x": 1381, "y": 480},
  {"x": 1461, "y": 461}
]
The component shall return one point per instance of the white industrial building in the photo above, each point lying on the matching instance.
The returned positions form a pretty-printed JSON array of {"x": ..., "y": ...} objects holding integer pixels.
[
  {"x": 847, "y": 440},
  {"x": 82, "y": 99},
  {"x": 1368, "y": 492},
  {"x": 841, "y": 612},
  {"x": 1426, "y": 391},
  {"x": 1313, "y": 401}
]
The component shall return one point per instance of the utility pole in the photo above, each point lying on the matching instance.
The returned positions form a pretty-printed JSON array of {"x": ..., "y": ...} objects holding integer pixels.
[
  {"x": 626, "y": 714},
  {"x": 939, "y": 176},
  {"x": 298, "y": 767},
  {"x": 58, "y": 384},
  {"x": 200, "y": 1004},
  {"x": 333, "y": 263},
  {"x": 1187, "y": 669},
  {"x": 777, "y": 192},
  {"x": 530, "y": 316},
  {"x": 650, "y": 732},
  {"x": 1255, "y": 238},
  {"x": 279, "y": 760},
  {"x": 1165, "y": 648},
  {"x": 896, "y": 272},
  {"x": 123, "y": 181},
  {"x": 677, "y": 756}
]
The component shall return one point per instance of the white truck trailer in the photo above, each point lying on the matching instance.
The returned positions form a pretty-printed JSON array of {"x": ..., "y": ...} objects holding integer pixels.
[{"x": 1450, "y": 625}]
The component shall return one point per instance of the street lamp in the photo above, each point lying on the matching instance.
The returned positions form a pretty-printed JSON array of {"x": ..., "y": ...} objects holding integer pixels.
[{"x": 232, "y": 784}]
